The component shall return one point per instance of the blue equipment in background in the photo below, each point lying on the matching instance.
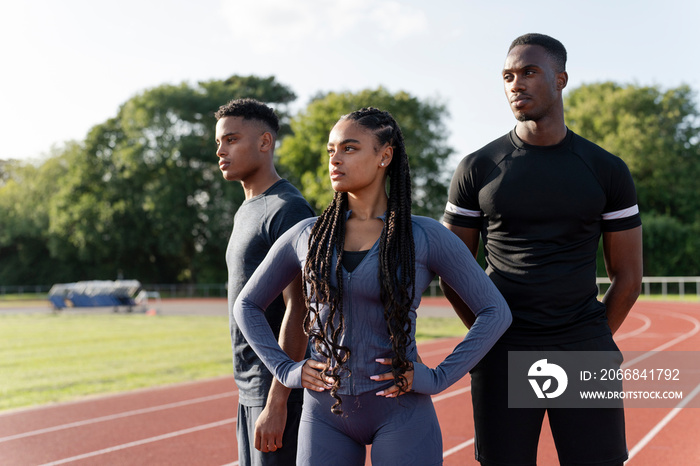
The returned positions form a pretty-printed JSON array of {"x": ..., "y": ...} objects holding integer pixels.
[{"x": 95, "y": 293}]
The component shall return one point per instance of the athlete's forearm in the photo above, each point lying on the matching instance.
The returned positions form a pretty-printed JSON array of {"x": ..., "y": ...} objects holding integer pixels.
[
  {"x": 618, "y": 301},
  {"x": 460, "y": 307}
]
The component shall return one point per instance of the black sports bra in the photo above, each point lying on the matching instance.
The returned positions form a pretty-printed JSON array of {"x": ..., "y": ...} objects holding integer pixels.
[{"x": 351, "y": 259}]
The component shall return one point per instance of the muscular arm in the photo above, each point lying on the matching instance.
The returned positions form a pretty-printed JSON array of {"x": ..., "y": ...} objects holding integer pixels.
[
  {"x": 269, "y": 427},
  {"x": 623, "y": 261},
  {"x": 470, "y": 237}
]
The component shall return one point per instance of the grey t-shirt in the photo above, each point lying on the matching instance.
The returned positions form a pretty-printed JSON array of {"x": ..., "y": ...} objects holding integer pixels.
[{"x": 256, "y": 226}]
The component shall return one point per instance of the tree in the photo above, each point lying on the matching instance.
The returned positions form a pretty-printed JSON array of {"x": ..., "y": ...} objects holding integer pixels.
[
  {"x": 142, "y": 195},
  {"x": 25, "y": 196},
  {"x": 671, "y": 248},
  {"x": 654, "y": 132},
  {"x": 304, "y": 160}
]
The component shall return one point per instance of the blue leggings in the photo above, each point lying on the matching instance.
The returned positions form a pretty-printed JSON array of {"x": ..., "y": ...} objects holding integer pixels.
[{"x": 402, "y": 431}]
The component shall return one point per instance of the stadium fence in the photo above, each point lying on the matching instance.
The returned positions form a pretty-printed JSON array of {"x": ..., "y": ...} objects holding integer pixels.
[{"x": 663, "y": 286}]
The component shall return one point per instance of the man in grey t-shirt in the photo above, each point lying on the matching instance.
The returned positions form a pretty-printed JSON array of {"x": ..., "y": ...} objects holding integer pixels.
[{"x": 268, "y": 412}]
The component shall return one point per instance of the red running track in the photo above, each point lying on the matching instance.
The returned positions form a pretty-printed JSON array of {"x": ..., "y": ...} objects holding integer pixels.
[{"x": 194, "y": 423}]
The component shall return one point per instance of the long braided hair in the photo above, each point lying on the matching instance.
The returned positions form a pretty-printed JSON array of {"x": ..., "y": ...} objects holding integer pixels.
[{"x": 396, "y": 272}]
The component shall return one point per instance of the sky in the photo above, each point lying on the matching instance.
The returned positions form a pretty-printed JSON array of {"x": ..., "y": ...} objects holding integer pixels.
[{"x": 69, "y": 65}]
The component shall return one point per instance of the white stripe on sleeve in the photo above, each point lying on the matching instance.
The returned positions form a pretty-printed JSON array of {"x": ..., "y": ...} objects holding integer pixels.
[
  {"x": 624, "y": 213},
  {"x": 453, "y": 209}
]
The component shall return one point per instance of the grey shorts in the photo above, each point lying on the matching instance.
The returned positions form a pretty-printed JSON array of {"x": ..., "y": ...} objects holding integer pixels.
[{"x": 245, "y": 432}]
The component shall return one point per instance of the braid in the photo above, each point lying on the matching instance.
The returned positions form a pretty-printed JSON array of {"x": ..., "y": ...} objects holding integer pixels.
[
  {"x": 397, "y": 258},
  {"x": 327, "y": 235},
  {"x": 397, "y": 268}
]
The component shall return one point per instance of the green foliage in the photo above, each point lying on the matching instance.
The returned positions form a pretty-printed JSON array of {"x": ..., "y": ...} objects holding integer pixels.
[
  {"x": 141, "y": 197},
  {"x": 671, "y": 248},
  {"x": 303, "y": 158},
  {"x": 657, "y": 134},
  {"x": 25, "y": 196},
  {"x": 654, "y": 132}
]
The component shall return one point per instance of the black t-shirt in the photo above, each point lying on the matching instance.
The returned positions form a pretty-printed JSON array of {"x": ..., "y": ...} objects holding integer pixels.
[{"x": 541, "y": 211}]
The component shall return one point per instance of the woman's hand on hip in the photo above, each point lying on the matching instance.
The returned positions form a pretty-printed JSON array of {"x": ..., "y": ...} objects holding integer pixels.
[
  {"x": 312, "y": 376},
  {"x": 394, "y": 390}
]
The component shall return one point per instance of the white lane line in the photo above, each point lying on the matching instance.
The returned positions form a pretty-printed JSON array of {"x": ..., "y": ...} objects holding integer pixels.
[
  {"x": 668, "y": 344},
  {"x": 111, "y": 417},
  {"x": 143, "y": 442},
  {"x": 445, "y": 350},
  {"x": 657, "y": 428},
  {"x": 645, "y": 326},
  {"x": 459, "y": 447},
  {"x": 674, "y": 412},
  {"x": 444, "y": 396},
  {"x": 228, "y": 421},
  {"x": 184, "y": 431},
  {"x": 435, "y": 399}
]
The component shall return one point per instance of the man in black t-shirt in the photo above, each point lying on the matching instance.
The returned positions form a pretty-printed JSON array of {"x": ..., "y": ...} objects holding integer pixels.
[{"x": 541, "y": 197}]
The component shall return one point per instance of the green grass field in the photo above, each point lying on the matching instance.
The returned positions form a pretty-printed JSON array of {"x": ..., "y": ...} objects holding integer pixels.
[{"x": 47, "y": 357}]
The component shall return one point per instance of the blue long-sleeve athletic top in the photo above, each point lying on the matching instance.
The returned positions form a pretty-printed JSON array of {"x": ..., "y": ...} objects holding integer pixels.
[{"x": 438, "y": 252}]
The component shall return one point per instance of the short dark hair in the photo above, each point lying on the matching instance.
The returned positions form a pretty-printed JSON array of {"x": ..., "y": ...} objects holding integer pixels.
[
  {"x": 250, "y": 109},
  {"x": 553, "y": 47}
]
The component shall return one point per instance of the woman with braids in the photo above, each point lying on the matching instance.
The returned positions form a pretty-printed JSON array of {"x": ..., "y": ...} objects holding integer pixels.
[{"x": 365, "y": 262}]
